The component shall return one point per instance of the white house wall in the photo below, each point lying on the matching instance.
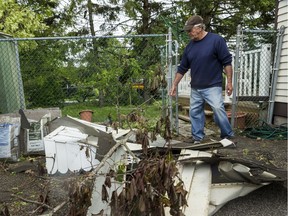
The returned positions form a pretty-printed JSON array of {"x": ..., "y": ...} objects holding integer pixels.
[{"x": 282, "y": 83}]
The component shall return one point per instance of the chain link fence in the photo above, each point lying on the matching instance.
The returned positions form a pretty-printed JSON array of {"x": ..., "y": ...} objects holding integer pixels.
[
  {"x": 124, "y": 74},
  {"x": 253, "y": 74},
  {"x": 81, "y": 75}
]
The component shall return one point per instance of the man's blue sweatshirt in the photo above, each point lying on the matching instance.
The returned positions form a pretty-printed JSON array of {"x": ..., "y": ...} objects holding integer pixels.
[{"x": 206, "y": 59}]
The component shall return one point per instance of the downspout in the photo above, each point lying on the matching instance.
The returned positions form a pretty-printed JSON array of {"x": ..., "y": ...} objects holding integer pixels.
[
  {"x": 235, "y": 76},
  {"x": 275, "y": 74}
]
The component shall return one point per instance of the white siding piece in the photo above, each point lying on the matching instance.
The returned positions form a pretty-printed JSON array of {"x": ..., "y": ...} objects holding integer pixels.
[
  {"x": 282, "y": 99},
  {"x": 285, "y": 43},
  {"x": 65, "y": 150},
  {"x": 50, "y": 152},
  {"x": 282, "y": 86},
  {"x": 222, "y": 193},
  {"x": 88, "y": 161},
  {"x": 283, "y": 66},
  {"x": 61, "y": 157},
  {"x": 116, "y": 134},
  {"x": 96, "y": 127},
  {"x": 186, "y": 172},
  {"x": 96, "y": 200},
  {"x": 281, "y": 92},
  {"x": 282, "y": 11},
  {"x": 282, "y": 78},
  {"x": 74, "y": 157},
  {"x": 282, "y": 17},
  {"x": 197, "y": 180},
  {"x": 284, "y": 53},
  {"x": 91, "y": 140},
  {"x": 199, "y": 193}
]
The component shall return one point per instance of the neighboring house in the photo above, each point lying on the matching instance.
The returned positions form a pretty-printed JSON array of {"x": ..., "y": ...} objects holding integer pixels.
[{"x": 281, "y": 94}]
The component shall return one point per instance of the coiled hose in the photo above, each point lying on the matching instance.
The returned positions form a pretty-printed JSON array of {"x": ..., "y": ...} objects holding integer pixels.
[{"x": 266, "y": 131}]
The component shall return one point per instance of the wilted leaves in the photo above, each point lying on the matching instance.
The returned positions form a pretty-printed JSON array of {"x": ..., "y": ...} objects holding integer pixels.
[
  {"x": 149, "y": 188},
  {"x": 79, "y": 197}
]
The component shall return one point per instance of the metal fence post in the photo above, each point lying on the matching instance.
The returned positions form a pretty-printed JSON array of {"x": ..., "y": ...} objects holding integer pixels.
[
  {"x": 176, "y": 99},
  {"x": 235, "y": 76},
  {"x": 279, "y": 42},
  {"x": 163, "y": 88},
  {"x": 170, "y": 76}
]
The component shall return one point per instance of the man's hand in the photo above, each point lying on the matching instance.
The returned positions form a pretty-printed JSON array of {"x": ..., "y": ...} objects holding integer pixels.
[
  {"x": 177, "y": 79},
  {"x": 229, "y": 71},
  {"x": 172, "y": 91},
  {"x": 229, "y": 88}
]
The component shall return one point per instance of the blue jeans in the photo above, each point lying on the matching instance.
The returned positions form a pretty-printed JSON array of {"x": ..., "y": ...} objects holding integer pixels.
[{"x": 213, "y": 96}]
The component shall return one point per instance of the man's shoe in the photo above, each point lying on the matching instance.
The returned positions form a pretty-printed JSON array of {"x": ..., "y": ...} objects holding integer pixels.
[
  {"x": 191, "y": 140},
  {"x": 188, "y": 140},
  {"x": 231, "y": 139}
]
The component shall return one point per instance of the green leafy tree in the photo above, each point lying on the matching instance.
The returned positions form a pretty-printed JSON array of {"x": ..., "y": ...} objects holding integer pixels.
[{"x": 20, "y": 20}]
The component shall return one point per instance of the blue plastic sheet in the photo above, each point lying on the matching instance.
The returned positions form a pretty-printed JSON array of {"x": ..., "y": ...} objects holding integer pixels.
[{"x": 5, "y": 144}]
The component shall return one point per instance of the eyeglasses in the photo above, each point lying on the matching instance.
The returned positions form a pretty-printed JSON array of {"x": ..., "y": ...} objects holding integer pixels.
[{"x": 197, "y": 25}]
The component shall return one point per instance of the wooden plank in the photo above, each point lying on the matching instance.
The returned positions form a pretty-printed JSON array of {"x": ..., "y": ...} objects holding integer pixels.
[{"x": 184, "y": 118}]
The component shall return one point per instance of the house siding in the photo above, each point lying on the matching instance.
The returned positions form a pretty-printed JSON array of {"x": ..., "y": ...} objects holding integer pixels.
[{"x": 281, "y": 95}]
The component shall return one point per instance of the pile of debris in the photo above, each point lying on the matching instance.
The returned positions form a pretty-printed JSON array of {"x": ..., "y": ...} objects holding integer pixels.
[{"x": 182, "y": 179}]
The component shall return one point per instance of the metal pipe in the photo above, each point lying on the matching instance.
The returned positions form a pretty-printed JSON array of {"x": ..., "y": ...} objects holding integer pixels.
[
  {"x": 82, "y": 37},
  {"x": 163, "y": 89},
  {"x": 235, "y": 76},
  {"x": 169, "y": 78},
  {"x": 280, "y": 36},
  {"x": 258, "y": 31},
  {"x": 176, "y": 99}
]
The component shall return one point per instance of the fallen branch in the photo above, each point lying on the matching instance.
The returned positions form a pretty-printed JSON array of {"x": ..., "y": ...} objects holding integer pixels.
[
  {"x": 32, "y": 201},
  {"x": 55, "y": 209}
]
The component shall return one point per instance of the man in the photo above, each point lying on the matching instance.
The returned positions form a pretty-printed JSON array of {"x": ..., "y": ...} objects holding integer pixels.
[{"x": 206, "y": 56}]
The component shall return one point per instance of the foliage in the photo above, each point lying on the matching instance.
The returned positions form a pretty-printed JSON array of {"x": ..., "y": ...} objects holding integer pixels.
[
  {"x": 85, "y": 69},
  {"x": 43, "y": 83},
  {"x": 79, "y": 196},
  {"x": 151, "y": 186},
  {"x": 38, "y": 96},
  {"x": 20, "y": 20}
]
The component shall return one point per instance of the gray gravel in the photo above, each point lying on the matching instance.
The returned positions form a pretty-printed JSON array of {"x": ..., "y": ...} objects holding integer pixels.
[{"x": 270, "y": 200}]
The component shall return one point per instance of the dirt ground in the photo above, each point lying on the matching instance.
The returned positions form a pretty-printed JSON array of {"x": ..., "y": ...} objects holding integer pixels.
[{"x": 26, "y": 189}]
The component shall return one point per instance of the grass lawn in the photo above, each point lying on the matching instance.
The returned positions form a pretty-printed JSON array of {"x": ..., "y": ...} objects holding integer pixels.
[{"x": 150, "y": 112}]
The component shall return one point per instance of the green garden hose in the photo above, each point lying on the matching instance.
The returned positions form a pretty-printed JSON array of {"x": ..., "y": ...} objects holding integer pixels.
[{"x": 266, "y": 131}]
